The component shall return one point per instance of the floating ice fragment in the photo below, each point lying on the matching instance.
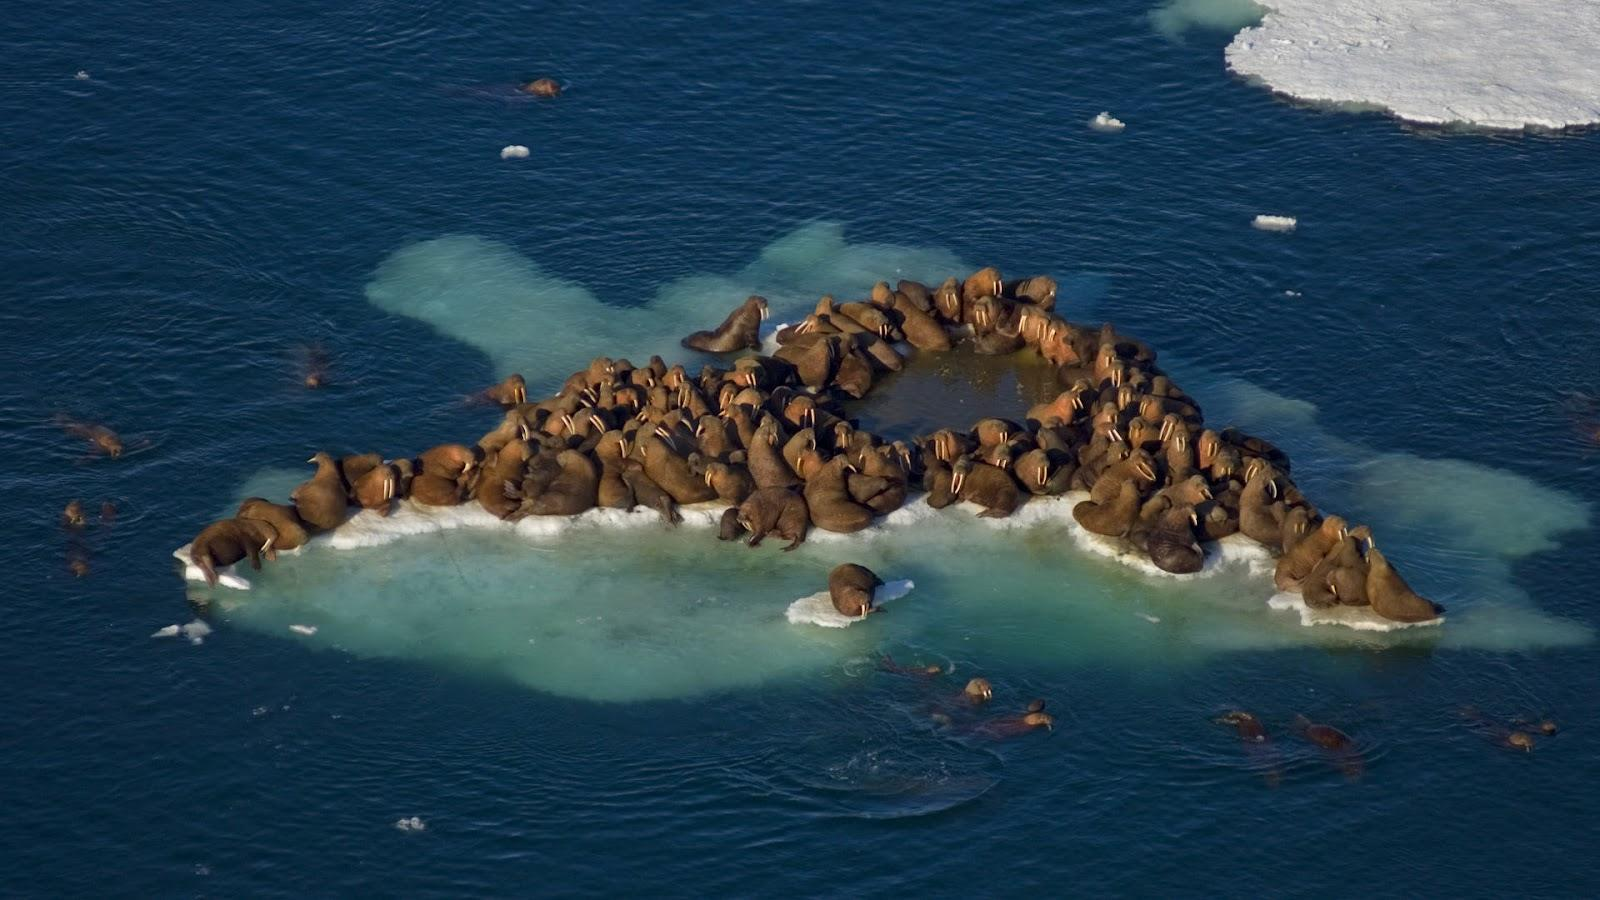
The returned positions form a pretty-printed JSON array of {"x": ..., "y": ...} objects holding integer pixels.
[
  {"x": 1361, "y": 618},
  {"x": 1292, "y": 294},
  {"x": 514, "y": 151},
  {"x": 1106, "y": 122},
  {"x": 82, "y": 75},
  {"x": 196, "y": 631},
  {"x": 169, "y": 631},
  {"x": 1153, "y": 620},
  {"x": 412, "y": 824},
  {"x": 307, "y": 630},
  {"x": 817, "y": 609},
  {"x": 1275, "y": 223}
]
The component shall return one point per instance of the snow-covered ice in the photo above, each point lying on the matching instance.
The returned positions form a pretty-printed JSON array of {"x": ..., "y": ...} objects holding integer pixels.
[
  {"x": 1106, "y": 122},
  {"x": 514, "y": 151},
  {"x": 1275, "y": 223},
  {"x": 1503, "y": 64}
]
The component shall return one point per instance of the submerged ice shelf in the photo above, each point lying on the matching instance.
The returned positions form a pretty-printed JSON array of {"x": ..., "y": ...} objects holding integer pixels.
[{"x": 1500, "y": 64}]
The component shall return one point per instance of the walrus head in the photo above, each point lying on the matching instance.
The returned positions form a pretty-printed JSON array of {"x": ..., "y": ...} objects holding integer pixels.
[
  {"x": 978, "y": 690},
  {"x": 73, "y": 514},
  {"x": 958, "y": 475},
  {"x": 1520, "y": 740},
  {"x": 1039, "y": 720}
]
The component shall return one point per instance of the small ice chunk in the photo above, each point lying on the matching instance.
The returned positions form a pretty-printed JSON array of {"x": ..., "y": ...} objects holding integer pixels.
[
  {"x": 817, "y": 609},
  {"x": 1153, "y": 620},
  {"x": 412, "y": 824},
  {"x": 307, "y": 630},
  {"x": 196, "y": 631},
  {"x": 1275, "y": 223},
  {"x": 1106, "y": 122},
  {"x": 1291, "y": 293},
  {"x": 82, "y": 75},
  {"x": 514, "y": 151},
  {"x": 169, "y": 631}
]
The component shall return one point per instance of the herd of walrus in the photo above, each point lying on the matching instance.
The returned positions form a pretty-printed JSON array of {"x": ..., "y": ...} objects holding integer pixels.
[{"x": 770, "y": 438}]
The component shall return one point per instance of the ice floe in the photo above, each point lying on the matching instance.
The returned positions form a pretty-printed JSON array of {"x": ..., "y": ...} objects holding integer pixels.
[
  {"x": 195, "y": 631},
  {"x": 413, "y": 823},
  {"x": 1361, "y": 618},
  {"x": 514, "y": 151},
  {"x": 817, "y": 609},
  {"x": 1275, "y": 223},
  {"x": 1500, "y": 64},
  {"x": 1106, "y": 122}
]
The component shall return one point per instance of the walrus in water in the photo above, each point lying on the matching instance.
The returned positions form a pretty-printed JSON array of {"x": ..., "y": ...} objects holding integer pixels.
[
  {"x": 977, "y": 691},
  {"x": 321, "y": 500},
  {"x": 72, "y": 515},
  {"x": 543, "y": 88},
  {"x": 1247, "y": 725},
  {"x": 286, "y": 525},
  {"x": 778, "y": 511},
  {"x": 1338, "y": 744},
  {"x": 886, "y": 663},
  {"x": 511, "y": 392},
  {"x": 1391, "y": 597},
  {"x": 739, "y": 331},
  {"x": 851, "y": 588},
  {"x": 228, "y": 541},
  {"x": 99, "y": 437},
  {"x": 1032, "y": 719}
]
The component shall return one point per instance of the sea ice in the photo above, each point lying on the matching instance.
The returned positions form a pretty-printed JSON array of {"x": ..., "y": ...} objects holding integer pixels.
[
  {"x": 514, "y": 151},
  {"x": 167, "y": 631},
  {"x": 413, "y": 823},
  {"x": 1501, "y": 64},
  {"x": 1275, "y": 223},
  {"x": 1106, "y": 122},
  {"x": 1175, "y": 17},
  {"x": 817, "y": 609},
  {"x": 307, "y": 630},
  {"x": 81, "y": 76}
]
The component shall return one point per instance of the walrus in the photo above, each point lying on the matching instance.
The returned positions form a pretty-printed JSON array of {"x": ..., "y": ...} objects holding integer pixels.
[
  {"x": 739, "y": 331},
  {"x": 1171, "y": 543},
  {"x": 672, "y": 471},
  {"x": 376, "y": 490},
  {"x": 229, "y": 541},
  {"x": 1260, "y": 518},
  {"x": 851, "y": 588},
  {"x": 354, "y": 466},
  {"x": 452, "y": 461},
  {"x": 828, "y": 499},
  {"x": 108, "y": 513},
  {"x": 1039, "y": 291},
  {"x": 1391, "y": 597},
  {"x": 985, "y": 282},
  {"x": 765, "y": 460},
  {"x": 920, "y": 328},
  {"x": 732, "y": 483},
  {"x": 1247, "y": 725},
  {"x": 987, "y": 486},
  {"x": 286, "y": 524},
  {"x": 499, "y": 486},
  {"x": 978, "y": 690},
  {"x": 543, "y": 88},
  {"x": 1044, "y": 472},
  {"x": 1113, "y": 518},
  {"x": 435, "y": 490},
  {"x": 571, "y": 492},
  {"x": 1341, "y": 573},
  {"x": 1298, "y": 561},
  {"x": 778, "y": 511},
  {"x": 647, "y": 493},
  {"x": 72, "y": 515},
  {"x": 1338, "y": 744},
  {"x": 321, "y": 501},
  {"x": 99, "y": 437},
  {"x": 511, "y": 392},
  {"x": 613, "y": 491},
  {"x": 728, "y": 527},
  {"x": 886, "y": 663}
]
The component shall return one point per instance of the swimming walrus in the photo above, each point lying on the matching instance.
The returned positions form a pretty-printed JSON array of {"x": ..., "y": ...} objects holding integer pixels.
[
  {"x": 851, "y": 587},
  {"x": 286, "y": 524},
  {"x": 511, "y": 392},
  {"x": 229, "y": 541},
  {"x": 99, "y": 437},
  {"x": 739, "y": 331},
  {"x": 321, "y": 501},
  {"x": 543, "y": 88}
]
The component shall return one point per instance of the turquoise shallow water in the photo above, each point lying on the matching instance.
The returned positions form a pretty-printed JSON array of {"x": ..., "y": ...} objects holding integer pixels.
[{"x": 579, "y": 714}]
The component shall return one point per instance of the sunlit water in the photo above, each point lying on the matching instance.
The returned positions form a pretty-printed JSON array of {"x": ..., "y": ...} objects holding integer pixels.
[{"x": 620, "y": 709}]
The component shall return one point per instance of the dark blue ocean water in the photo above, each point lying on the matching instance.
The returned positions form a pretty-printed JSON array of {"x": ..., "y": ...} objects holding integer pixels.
[{"x": 176, "y": 229}]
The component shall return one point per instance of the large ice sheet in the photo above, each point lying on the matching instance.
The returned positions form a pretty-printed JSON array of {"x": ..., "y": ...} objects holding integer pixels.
[{"x": 1502, "y": 64}]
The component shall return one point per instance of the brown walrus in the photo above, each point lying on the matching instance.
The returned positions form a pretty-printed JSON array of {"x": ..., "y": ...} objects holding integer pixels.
[
  {"x": 1246, "y": 724},
  {"x": 647, "y": 493},
  {"x": 672, "y": 471},
  {"x": 99, "y": 436},
  {"x": 452, "y": 461},
  {"x": 543, "y": 88},
  {"x": 229, "y": 541},
  {"x": 377, "y": 489},
  {"x": 352, "y": 468},
  {"x": 1298, "y": 561},
  {"x": 511, "y": 392},
  {"x": 1338, "y": 744},
  {"x": 851, "y": 588},
  {"x": 435, "y": 490},
  {"x": 573, "y": 491},
  {"x": 72, "y": 515},
  {"x": 739, "y": 331},
  {"x": 1113, "y": 518},
  {"x": 286, "y": 524},
  {"x": 778, "y": 511},
  {"x": 984, "y": 485},
  {"x": 1171, "y": 544},
  {"x": 321, "y": 500},
  {"x": 828, "y": 500},
  {"x": 1391, "y": 597},
  {"x": 1260, "y": 512}
]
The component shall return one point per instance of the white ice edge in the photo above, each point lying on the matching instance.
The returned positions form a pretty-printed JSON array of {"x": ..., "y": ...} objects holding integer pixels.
[
  {"x": 1496, "y": 64},
  {"x": 1361, "y": 618},
  {"x": 368, "y": 529},
  {"x": 1275, "y": 223}
]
